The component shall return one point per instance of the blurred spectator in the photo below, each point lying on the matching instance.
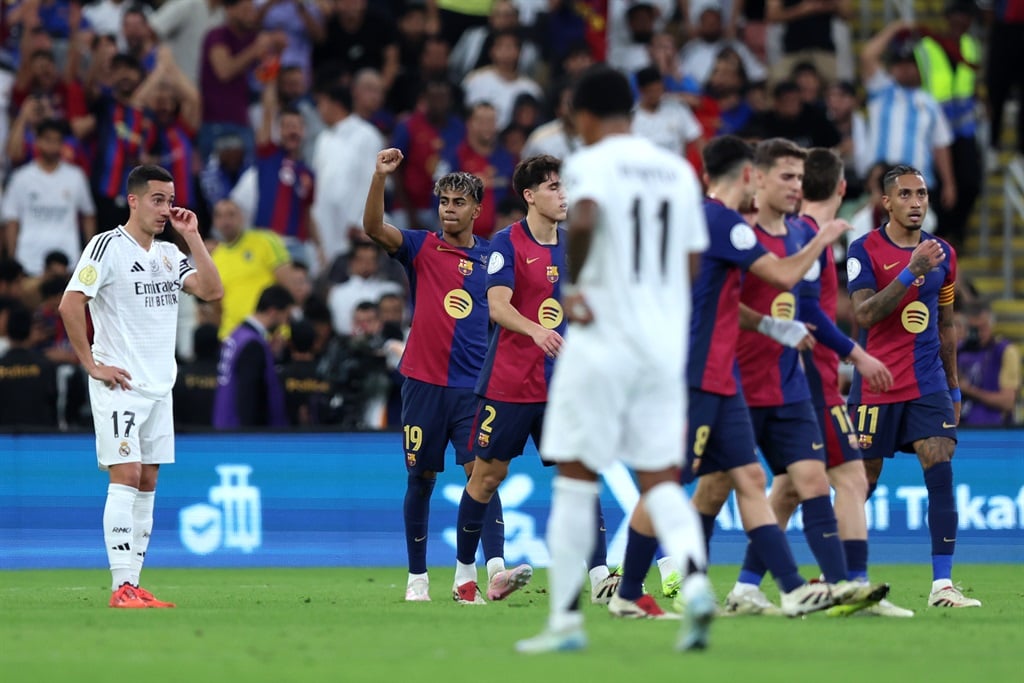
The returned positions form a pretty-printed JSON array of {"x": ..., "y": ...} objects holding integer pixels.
[
  {"x": 344, "y": 157},
  {"x": 948, "y": 62},
  {"x": 664, "y": 120},
  {"x": 222, "y": 171},
  {"x": 28, "y": 381},
  {"x": 363, "y": 284},
  {"x": 7, "y": 304},
  {"x": 452, "y": 18},
  {"x": 298, "y": 283},
  {"x": 1005, "y": 48},
  {"x": 903, "y": 119},
  {"x": 172, "y": 101},
  {"x": 700, "y": 53},
  {"x": 230, "y": 51},
  {"x": 306, "y": 394},
  {"x": 301, "y": 21},
  {"x": 791, "y": 118},
  {"x": 276, "y": 193},
  {"x": 511, "y": 209},
  {"x": 105, "y": 16},
  {"x": 55, "y": 265},
  {"x": 748, "y": 18},
  {"x": 292, "y": 93},
  {"x": 12, "y": 277},
  {"x": 394, "y": 330},
  {"x": 50, "y": 335},
  {"x": 425, "y": 138},
  {"x": 480, "y": 154},
  {"x": 357, "y": 37},
  {"x": 872, "y": 213},
  {"x": 248, "y": 260},
  {"x": 989, "y": 371},
  {"x": 47, "y": 204},
  {"x": 137, "y": 37},
  {"x": 39, "y": 85},
  {"x": 808, "y": 80},
  {"x": 404, "y": 95},
  {"x": 500, "y": 83},
  {"x": 843, "y": 110},
  {"x": 196, "y": 384},
  {"x": 249, "y": 392},
  {"x": 182, "y": 25},
  {"x": 665, "y": 58},
  {"x": 807, "y": 33},
  {"x": 631, "y": 25},
  {"x": 557, "y": 137},
  {"x": 473, "y": 49},
  {"x": 368, "y": 101}
]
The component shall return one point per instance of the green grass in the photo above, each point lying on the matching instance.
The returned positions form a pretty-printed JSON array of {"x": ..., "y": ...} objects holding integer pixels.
[{"x": 288, "y": 625}]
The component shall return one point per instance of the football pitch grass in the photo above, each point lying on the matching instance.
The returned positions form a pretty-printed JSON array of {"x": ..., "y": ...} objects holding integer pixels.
[{"x": 351, "y": 624}]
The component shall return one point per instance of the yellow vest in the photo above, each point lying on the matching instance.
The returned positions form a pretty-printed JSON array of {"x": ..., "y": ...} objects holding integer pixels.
[
  {"x": 476, "y": 8},
  {"x": 938, "y": 76},
  {"x": 246, "y": 268}
]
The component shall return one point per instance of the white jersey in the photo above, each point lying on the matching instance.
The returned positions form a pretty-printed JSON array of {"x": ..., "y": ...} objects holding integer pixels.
[
  {"x": 636, "y": 278},
  {"x": 46, "y": 207},
  {"x": 133, "y": 299}
]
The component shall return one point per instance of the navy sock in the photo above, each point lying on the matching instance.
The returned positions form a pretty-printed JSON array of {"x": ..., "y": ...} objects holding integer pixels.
[
  {"x": 416, "y": 510},
  {"x": 708, "y": 522},
  {"x": 492, "y": 536},
  {"x": 942, "y": 518},
  {"x": 639, "y": 553},
  {"x": 468, "y": 524},
  {"x": 753, "y": 569},
  {"x": 856, "y": 559},
  {"x": 823, "y": 537},
  {"x": 771, "y": 545},
  {"x": 599, "y": 557}
]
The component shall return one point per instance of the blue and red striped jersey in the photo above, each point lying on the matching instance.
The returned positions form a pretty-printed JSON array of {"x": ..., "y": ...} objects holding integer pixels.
[
  {"x": 771, "y": 373},
  {"x": 284, "y": 193},
  {"x": 907, "y": 340},
  {"x": 123, "y": 133},
  {"x": 714, "y": 324},
  {"x": 173, "y": 149},
  {"x": 516, "y": 370},
  {"x": 448, "y": 337}
]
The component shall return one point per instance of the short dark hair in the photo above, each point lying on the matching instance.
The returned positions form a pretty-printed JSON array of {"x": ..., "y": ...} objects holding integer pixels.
[
  {"x": 275, "y": 297},
  {"x": 972, "y": 309},
  {"x": 507, "y": 33},
  {"x": 303, "y": 336},
  {"x": 647, "y": 76},
  {"x": 725, "y": 154},
  {"x": 604, "y": 92},
  {"x": 533, "y": 171},
  {"x": 56, "y": 256},
  {"x": 19, "y": 323},
  {"x": 823, "y": 169},
  {"x": 290, "y": 110},
  {"x": 53, "y": 286},
  {"x": 889, "y": 179},
  {"x": 784, "y": 88},
  {"x": 10, "y": 270},
  {"x": 136, "y": 8},
  {"x": 367, "y": 306},
  {"x": 138, "y": 179},
  {"x": 52, "y": 125},
  {"x": 126, "y": 60},
  {"x": 771, "y": 150},
  {"x": 336, "y": 93},
  {"x": 461, "y": 182},
  {"x": 205, "y": 342},
  {"x": 44, "y": 53}
]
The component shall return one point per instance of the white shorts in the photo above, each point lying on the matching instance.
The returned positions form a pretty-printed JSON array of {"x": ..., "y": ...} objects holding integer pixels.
[
  {"x": 606, "y": 405},
  {"x": 131, "y": 427}
]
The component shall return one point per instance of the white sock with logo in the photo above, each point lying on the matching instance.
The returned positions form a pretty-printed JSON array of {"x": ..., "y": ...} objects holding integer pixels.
[
  {"x": 117, "y": 531},
  {"x": 142, "y": 527},
  {"x": 571, "y": 535}
]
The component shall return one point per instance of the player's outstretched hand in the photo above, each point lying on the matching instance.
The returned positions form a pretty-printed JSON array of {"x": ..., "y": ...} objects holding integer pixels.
[
  {"x": 878, "y": 377},
  {"x": 112, "y": 376},
  {"x": 184, "y": 221},
  {"x": 926, "y": 256},
  {"x": 388, "y": 160},
  {"x": 549, "y": 341},
  {"x": 834, "y": 229},
  {"x": 577, "y": 309}
]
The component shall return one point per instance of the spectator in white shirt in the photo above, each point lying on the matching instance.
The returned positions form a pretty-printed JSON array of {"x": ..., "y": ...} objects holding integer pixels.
[
  {"x": 665, "y": 121},
  {"x": 501, "y": 83},
  {"x": 701, "y": 51},
  {"x": 363, "y": 284},
  {"x": 557, "y": 138}
]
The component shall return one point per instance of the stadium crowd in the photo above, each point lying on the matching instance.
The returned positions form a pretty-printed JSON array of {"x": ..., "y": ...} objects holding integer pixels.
[{"x": 269, "y": 113}]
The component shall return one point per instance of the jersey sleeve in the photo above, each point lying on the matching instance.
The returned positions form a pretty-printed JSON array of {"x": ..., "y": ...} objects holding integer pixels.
[
  {"x": 694, "y": 224},
  {"x": 733, "y": 240},
  {"x": 185, "y": 268},
  {"x": 11, "y": 205},
  {"x": 859, "y": 272},
  {"x": 501, "y": 268},
  {"x": 412, "y": 242},
  {"x": 583, "y": 181},
  {"x": 947, "y": 293},
  {"x": 92, "y": 270},
  {"x": 276, "y": 254}
]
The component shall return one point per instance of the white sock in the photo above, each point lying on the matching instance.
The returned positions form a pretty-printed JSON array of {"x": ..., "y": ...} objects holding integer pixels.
[
  {"x": 142, "y": 527},
  {"x": 665, "y": 567},
  {"x": 117, "y": 531},
  {"x": 464, "y": 573},
  {"x": 739, "y": 588},
  {"x": 572, "y": 526},
  {"x": 413, "y": 577},
  {"x": 677, "y": 526},
  {"x": 598, "y": 574},
  {"x": 495, "y": 565},
  {"x": 940, "y": 584}
]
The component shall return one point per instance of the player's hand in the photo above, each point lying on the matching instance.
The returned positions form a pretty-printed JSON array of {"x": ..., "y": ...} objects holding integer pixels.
[
  {"x": 926, "y": 256},
  {"x": 834, "y": 229},
  {"x": 549, "y": 341},
  {"x": 878, "y": 377},
  {"x": 184, "y": 221},
  {"x": 577, "y": 309},
  {"x": 112, "y": 376},
  {"x": 791, "y": 333},
  {"x": 388, "y": 160}
]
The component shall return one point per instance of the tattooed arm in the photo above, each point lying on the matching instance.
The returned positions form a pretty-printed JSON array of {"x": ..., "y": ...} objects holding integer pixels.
[
  {"x": 869, "y": 307},
  {"x": 947, "y": 351}
]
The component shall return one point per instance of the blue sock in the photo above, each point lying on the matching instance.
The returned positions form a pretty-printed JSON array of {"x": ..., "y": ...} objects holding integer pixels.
[
  {"x": 492, "y": 536},
  {"x": 639, "y": 553},
  {"x": 823, "y": 537},
  {"x": 942, "y": 518},
  {"x": 856, "y": 559},
  {"x": 468, "y": 524},
  {"x": 708, "y": 522},
  {"x": 753, "y": 569},
  {"x": 599, "y": 557},
  {"x": 416, "y": 510},
  {"x": 771, "y": 545}
]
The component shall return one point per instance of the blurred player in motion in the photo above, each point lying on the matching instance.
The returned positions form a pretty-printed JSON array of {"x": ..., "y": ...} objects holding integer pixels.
[
  {"x": 902, "y": 281},
  {"x": 524, "y": 276},
  {"x": 634, "y": 227},
  {"x": 444, "y": 352},
  {"x": 130, "y": 281}
]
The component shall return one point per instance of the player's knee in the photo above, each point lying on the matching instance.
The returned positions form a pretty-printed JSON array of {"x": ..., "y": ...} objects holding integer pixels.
[
  {"x": 712, "y": 492},
  {"x": 749, "y": 479},
  {"x": 853, "y": 483}
]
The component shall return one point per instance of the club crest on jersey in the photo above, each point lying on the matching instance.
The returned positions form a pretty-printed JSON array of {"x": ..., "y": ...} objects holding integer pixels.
[
  {"x": 552, "y": 272},
  {"x": 865, "y": 441},
  {"x": 918, "y": 281},
  {"x": 458, "y": 304},
  {"x": 88, "y": 275},
  {"x": 465, "y": 266},
  {"x": 483, "y": 440},
  {"x": 124, "y": 449},
  {"x": 410, "y": 459},
  {"x": 167, "y": 264}
]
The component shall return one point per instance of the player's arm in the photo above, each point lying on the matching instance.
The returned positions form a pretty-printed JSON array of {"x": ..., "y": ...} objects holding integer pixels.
[
  {"x": 384, "y": 234},
  {"x": 499, "y": 300},
  {"x": 947, "y": 346},
  {"x": 206, "y": 283},
  {"x": 791, "y": 333},
  {"x": 785, "y": 273},
  {"x": 72, "y": 312},
  {"x": 582, "y": 222},
  {"x": 870, "y": 307}
]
